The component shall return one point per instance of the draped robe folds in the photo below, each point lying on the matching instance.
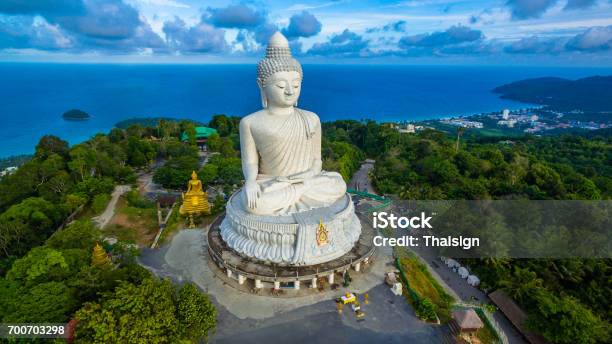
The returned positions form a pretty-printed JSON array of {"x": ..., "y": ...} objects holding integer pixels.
[{"x": 289, "y": 149}]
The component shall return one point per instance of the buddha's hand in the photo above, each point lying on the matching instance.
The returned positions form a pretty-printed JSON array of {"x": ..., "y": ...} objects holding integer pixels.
[{"x": 252, "y": 193}]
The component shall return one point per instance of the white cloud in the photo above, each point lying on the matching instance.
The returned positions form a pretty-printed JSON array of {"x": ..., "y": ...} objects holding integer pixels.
[{"x": 163, "y": 3}]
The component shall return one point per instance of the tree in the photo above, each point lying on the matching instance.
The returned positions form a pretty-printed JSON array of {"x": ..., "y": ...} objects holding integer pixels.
[
  {"x": 227, "y": 147},
  {"x": 49, "y": 302},
  {"x": 21, "y": 184},
  {"x": 230, "y": 169},
  {"x": 49, "y": 168},
  {"x": 151, "y": 312},
  {"x": 523, "y": 285},
  {"x": 439, "y": 170},
  {"x": 50, "y": 144},
  {"x": 8, "y": 295},
  {"x": 56, "y": 187},
  {"x": 116, "y": 135},
  {"x": 40, "y": 264},
  {"x": 132, "y": 314},
  {"x": 80, "y": 234},
  {"x": 196, "y": 313},
  {"x": 214, "y": 143},
  {"x": 92, "y": 186},
  {"x": 176, "y": 172},
  {"x": 564, "y": 320},
  {"x": 208, "y": 174},
  {"x": 135, "y": 130},
  {"x": 74, "y": 201},
  {"x": 218, "y": 205},
  {"x": 546, "y": 179},
  {"x": 190, "y": 129},
  {"x": 27, "y": 224},
  {"x": 222, "y": 123},
  {"x": 425, "y": 309},
  {"x": 460, "y": 131}
]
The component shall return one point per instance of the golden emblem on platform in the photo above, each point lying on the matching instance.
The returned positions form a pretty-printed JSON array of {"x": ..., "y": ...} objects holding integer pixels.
[
  {"x": 322, "y": 234},
  {"x": 195, "y": 200}
]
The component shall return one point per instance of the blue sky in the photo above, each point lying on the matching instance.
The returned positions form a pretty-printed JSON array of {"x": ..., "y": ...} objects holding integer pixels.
[{"x": 529, "y": 32}]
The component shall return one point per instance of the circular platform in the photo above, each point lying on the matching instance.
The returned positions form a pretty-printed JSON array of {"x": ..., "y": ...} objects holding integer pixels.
[
  {"x": 241, "y": 268},
  {"x": 291, "y": 239}
]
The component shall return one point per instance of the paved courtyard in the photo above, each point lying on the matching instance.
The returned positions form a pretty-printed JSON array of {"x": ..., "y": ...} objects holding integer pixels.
[{"x": 247, "y": 318}]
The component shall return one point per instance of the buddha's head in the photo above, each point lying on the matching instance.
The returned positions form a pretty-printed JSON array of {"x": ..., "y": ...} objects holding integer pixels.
[
  {"x": 279, "y": 75},
  {"x": 194, "y": 175}
]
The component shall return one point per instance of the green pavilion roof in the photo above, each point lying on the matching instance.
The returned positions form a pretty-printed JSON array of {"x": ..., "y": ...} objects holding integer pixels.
[{"x": 201, "y": 133}]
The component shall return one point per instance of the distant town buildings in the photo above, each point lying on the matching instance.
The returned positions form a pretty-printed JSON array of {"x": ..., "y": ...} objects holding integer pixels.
[
  {"x": 508, "y": 123},
  {"x": 8, "y": 171},
  {"x": 408, "y": 128},
  {"x": 462, "y": 122},
  {"x": 529, "y": 120}
]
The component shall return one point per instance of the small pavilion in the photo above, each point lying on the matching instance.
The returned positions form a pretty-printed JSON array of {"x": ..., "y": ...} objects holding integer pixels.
[
  {"x": 202, "y": 135},
  {"x": 467, "y": 321}
]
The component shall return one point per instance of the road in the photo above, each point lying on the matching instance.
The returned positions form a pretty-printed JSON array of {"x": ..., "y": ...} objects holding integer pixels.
[
  {"x": 459, "y": 287},
  {"x": 451, "y": 281},
  {"x": 361, "y": 179},
  {"x": 103, "y": 219}
]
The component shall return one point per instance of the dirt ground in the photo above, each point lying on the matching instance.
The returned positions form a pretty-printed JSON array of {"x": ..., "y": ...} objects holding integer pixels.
[{"x": 133, "y": 224}]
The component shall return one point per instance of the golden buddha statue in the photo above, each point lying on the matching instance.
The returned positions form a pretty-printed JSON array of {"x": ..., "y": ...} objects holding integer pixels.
[{"x": 195, "y": 200}]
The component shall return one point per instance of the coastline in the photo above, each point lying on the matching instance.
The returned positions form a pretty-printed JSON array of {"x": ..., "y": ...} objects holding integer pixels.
[
  {"x": 111, "y": 93},
  {"x": 83, "y": 136},
  {"x": 40, "y": 93}
]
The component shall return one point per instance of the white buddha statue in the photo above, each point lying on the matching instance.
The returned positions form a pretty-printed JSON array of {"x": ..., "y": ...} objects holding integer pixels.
[
  {"x": 281, "y": 144},
  {"x": 289, "y": 210}
]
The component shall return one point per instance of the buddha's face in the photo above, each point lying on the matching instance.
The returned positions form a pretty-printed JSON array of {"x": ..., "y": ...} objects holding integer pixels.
[{"x": 282, "y": 89}]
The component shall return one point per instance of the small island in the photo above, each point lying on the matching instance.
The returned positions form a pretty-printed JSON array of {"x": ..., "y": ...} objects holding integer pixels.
[{"x": 76, "y": 115}]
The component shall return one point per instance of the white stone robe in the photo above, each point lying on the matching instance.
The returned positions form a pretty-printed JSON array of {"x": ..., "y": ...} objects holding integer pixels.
[{"x": 289, "y": 148}]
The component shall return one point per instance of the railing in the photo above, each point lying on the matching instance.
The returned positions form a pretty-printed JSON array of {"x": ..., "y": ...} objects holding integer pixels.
[
  {"x": 385, "y": 202},
  {"x": 71, "y": 217}
]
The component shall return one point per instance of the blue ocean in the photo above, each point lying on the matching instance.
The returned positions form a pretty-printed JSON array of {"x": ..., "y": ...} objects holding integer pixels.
[{"x": 33, "y": 96}]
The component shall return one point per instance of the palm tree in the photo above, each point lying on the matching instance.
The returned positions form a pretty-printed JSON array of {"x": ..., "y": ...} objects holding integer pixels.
[
  {"x": 523, "y": 285},
  {"x": 460, "y": 131}
]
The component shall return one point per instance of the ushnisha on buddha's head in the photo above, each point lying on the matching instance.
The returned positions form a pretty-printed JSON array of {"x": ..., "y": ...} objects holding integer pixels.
[{"x": 279, "y": 75}]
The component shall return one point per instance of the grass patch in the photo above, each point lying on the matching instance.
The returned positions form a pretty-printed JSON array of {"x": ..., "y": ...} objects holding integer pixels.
[
  {"x": 175, "y": 222},
  {"x": 122, "y": 233},
  {"x": 498, "y": 133},
  {"x": 143, "y": 221},
  {"x": 145, "y": 217},
  {"x": 425, "y": 285}
]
